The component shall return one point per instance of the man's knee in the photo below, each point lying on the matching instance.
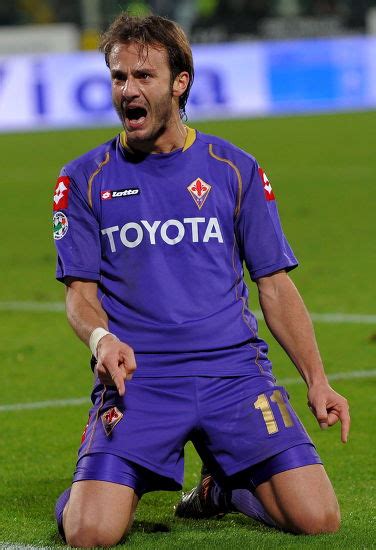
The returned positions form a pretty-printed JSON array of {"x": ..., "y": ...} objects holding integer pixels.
[
  {"x": 313, "y": 522},
  {"x": 89, "y": 531},
  {"x": 98, "y": 514},
  {"x": 302, "y": 500},
  {"x": 90, "y": 535}
]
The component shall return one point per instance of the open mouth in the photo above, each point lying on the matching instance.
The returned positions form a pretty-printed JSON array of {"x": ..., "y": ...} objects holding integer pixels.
[{"x": 135, "y": 116}]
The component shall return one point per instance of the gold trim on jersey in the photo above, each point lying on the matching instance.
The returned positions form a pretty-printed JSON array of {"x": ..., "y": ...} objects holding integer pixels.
[
  {"x": 90, "y": 183},
  {"x": 190, "y": 138},
  {"x": 238, "y": 175},
  {"x": 235, "y": 250},
  {"x": 123, "y": 141},
  {"x": 96, "y": 421}
]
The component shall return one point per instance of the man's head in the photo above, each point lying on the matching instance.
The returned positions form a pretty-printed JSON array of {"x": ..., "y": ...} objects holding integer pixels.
[{"x": 151, "y": 70}]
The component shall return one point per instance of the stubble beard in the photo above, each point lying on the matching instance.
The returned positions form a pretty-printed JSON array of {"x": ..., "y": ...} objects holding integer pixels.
[{"x": 161, "y": 114}]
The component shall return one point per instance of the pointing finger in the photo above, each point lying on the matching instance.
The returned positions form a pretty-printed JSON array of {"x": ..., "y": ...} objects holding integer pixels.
[
  {"x": 114, "y": 373},
  {"x": 344, "y": 416},
  {"x": 118, "y": 381}
]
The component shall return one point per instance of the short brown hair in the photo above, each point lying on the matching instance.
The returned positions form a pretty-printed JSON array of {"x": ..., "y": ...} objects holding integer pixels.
[{"x": 157, "y": 31}]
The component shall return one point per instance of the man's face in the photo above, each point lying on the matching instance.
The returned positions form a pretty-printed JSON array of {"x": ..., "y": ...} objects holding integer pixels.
[{"x": 142, "y": 91}]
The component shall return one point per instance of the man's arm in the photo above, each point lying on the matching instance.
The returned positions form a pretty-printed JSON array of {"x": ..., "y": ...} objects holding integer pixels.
[
  {"x": 116, "y": 361},
  {"x": 289, "y": 322}
]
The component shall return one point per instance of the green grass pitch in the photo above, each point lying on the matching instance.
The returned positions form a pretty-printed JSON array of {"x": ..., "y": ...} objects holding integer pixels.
[{"x": 322, "y": 170}]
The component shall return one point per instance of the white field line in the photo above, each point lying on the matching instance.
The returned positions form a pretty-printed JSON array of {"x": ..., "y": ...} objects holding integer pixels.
[
  {"x": 45, "y": 404},
  {"x": 352, "y": 375},
  {"x": 34, "y": 307},
  {"x": 53, "y": 307},
  {"x": 17, "y": 546}
]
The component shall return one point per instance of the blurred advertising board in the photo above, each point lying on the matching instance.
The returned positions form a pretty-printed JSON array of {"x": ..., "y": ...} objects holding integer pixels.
[
  {"x": 232, "y": 80},
  {"x": 57, "y": 37}
]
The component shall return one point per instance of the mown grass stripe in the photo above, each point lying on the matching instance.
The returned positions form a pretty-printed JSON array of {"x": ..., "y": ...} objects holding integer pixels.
[
  {"x": 352, "y": 375},
  {"x": 52, "y": 307}
]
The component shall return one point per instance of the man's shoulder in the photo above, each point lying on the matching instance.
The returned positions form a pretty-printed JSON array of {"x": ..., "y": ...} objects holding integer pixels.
[
  {"x": 92, "y": 159},
  {"x": 224, "y": 149}
]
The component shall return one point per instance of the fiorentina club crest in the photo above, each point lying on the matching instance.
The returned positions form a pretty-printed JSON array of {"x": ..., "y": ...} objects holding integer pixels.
[
  {"x": 110, "y": 418},
  {"x": 199, "y": 191}
]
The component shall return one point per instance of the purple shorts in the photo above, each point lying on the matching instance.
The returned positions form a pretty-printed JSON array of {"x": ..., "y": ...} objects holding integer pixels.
[
  {"x": 234, "y": 423},
  {"x": 114, "y": 469}
]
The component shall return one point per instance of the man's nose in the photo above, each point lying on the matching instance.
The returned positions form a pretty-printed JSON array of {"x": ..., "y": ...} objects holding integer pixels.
[{"x": 130, "y": 88}]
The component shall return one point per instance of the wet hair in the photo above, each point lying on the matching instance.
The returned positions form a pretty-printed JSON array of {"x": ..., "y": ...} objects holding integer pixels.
[{"x": 156, "y": 31}]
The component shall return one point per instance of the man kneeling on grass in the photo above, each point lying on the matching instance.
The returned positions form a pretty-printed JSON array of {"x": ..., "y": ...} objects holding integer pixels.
[{"x": 152, "y": 230}]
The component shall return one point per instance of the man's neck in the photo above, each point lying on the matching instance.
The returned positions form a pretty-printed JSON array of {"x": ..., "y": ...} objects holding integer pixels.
[{"x": 169, "y": 140}]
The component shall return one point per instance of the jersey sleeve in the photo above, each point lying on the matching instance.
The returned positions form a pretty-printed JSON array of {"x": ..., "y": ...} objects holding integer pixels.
[
  {"x": 262, "y": 243},
  {"x": 76, "y": 232}
]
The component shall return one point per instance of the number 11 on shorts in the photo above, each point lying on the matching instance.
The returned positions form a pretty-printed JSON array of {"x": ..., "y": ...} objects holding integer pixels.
[{"x": 263, "y": 404}]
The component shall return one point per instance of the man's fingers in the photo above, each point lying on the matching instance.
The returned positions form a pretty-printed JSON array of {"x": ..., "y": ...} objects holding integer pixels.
[
  {"x": 128, "y": 360},
  {"x": 127, "y": 372},
  {"x": 321, "y": 415},
  {"x": 344, "y": 416},
  {"x": 116, "y": 362},
  {"x": 345, "y": 428},
  {"x": 117, "y": 376},
  {"x": 340, "y": 411},
  {"x": 111, "y": 375},
  {"x": 329, "y": 406},
  {"x": 128, "y": 363},
  {"x": 118, "y": 379}
]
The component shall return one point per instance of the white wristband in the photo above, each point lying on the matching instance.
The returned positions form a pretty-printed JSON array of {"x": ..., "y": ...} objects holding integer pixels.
[{"x": 95, "y": 336}]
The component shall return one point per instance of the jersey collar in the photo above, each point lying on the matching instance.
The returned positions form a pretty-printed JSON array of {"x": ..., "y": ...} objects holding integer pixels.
[{"x": 189, "y": 140}]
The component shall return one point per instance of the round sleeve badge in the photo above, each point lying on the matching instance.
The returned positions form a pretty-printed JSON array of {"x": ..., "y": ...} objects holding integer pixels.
[{"x": 60, "y": 225}]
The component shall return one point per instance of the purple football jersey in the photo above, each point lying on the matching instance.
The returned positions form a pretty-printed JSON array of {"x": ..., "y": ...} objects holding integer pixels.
[{"x": 165, "y": 236}]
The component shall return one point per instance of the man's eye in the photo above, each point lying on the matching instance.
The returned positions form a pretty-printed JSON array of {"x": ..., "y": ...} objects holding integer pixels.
[{"x": 118, "y": 77}]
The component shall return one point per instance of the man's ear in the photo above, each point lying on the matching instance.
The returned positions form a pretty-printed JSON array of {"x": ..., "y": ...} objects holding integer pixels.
[{"x": 180, "y": 84}]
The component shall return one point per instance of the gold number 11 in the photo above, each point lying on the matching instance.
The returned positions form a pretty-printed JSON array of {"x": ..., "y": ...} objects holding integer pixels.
[{"x": 263, "y": 404}]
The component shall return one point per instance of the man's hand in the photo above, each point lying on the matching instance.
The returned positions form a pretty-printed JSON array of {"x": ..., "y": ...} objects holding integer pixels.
[
  {"x": 328, "y": 407},
  {"x": 116, "y": 362}
]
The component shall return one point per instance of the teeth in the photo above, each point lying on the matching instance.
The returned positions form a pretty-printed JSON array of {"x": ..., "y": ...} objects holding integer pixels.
[{"x": 136, "y": 123}]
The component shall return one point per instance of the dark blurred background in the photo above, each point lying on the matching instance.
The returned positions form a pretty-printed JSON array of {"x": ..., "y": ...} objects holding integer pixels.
[
  {"x": 290, "y": 56},
  {"x": 204, "y": 20}
]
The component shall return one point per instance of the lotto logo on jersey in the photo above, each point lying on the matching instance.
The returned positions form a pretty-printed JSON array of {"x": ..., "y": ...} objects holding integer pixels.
[
  {"x": 106, "y": 195},
  {"x": 269, "y": 195},
  {"x": 110, "y": 418},
  {"x": 61, "y": 193},
  {"x": 199, "y": 191}
]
